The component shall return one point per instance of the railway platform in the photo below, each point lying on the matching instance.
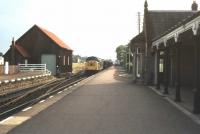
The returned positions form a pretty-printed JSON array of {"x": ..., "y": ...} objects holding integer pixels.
[{"x": 105, "y": 103}]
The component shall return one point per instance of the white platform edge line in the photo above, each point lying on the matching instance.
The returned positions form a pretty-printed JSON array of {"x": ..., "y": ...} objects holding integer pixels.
[
  {"x": 183, "y": 110},
  {"x": 6, "y": 119},
  {"x": 26, "y": 109}
]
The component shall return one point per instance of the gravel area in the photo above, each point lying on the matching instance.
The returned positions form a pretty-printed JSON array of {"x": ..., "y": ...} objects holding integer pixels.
[
  {"x": 19, "y": 75},
  {"x": 11, "y": 87}
]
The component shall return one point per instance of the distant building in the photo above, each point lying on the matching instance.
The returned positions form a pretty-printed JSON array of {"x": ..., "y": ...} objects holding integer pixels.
[
  {"x": 1, "y": 59},
  {"x": 39, "y": 46}
]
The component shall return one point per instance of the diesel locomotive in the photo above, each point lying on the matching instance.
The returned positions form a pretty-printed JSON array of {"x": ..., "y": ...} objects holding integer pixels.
[{"x": 93, "y": 65}]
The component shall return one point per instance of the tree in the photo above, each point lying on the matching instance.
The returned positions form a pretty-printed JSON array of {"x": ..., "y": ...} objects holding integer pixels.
[{"x": 121, "y": 53}]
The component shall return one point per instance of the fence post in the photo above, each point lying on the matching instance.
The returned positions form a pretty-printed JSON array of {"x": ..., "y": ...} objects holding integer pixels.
[
  {"x": 45, "y": 67},
  {"x": 6, "y": 68}
]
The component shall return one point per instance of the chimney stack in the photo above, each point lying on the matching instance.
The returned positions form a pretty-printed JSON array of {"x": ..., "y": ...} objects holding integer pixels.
[
  {"x": 194, "y": 6},
  {"x": 13, "y": 52}
]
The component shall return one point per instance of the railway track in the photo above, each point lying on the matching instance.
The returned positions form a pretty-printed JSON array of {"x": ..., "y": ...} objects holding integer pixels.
[{"x": 15, "y": 102}]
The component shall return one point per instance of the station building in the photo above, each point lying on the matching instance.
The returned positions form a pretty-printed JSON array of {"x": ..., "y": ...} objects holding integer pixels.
[
  {"x": 40, "y": 46},
  {"x": 167, "y": 53}
]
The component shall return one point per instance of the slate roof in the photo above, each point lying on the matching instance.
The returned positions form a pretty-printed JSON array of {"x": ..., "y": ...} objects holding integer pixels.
[
  {"x": 138, "y": 38},
  {"x": 54, "y": 38},
  {"x": 161, "y": 20},
  {"x": 186, "y": 20}
]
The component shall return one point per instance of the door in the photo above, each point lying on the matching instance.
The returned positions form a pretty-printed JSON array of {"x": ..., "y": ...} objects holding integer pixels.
[{"x": 50, "y": 61}]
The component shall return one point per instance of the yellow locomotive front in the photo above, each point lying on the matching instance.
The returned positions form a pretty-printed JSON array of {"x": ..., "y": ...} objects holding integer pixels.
[{"x": 93, "y": 65}]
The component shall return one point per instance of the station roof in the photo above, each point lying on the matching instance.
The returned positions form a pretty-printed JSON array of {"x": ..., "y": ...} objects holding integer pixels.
[
  {"x": 162, "y": 20},
  {"x": 138, "y": 38},
  {"x": 183, "y": 22}
]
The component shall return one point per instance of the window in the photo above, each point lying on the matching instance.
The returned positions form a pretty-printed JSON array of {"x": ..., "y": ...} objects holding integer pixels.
[
  {"x": 64, "y": 60},
  {"x": 161, "y": 65},
  {"x": 68, "y": 60},
  {"x": 138, "y": 50}
]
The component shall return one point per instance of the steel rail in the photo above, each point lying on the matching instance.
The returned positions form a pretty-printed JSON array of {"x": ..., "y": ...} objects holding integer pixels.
[{"x": 56, "y": 88}]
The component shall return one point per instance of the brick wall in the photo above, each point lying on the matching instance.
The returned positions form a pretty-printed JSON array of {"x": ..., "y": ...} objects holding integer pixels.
[
  {"x": 13, "y": 69},
  {"x": 1, "y": 69}
]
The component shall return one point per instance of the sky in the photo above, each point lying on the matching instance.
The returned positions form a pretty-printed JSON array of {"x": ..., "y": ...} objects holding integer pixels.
[{"x": 89, "y": 27}]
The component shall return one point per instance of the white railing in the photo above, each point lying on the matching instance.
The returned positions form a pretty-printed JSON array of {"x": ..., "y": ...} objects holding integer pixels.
[
  {"x": 32, "y": 67},
  {"x": 48, "y": 72}
]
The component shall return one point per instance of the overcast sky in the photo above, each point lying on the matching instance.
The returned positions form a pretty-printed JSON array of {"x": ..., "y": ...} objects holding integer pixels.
[{"x": 89, "y": 27}]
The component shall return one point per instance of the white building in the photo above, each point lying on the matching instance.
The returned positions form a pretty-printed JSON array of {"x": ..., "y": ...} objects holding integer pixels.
[{"x": 1, "y": 59}]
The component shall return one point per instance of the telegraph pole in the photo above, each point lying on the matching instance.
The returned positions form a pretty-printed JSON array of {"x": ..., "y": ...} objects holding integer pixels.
[{"x": 139, "y": 22}]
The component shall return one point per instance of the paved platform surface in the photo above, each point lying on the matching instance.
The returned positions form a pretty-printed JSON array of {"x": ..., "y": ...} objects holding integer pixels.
[
  {"x": 187, "y": 96},
  {"x": 110, "y": 104}
]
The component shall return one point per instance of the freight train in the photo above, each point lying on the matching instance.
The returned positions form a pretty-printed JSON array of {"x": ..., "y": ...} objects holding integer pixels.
[
  {"x": 94, "y": 64},
  {"x": 107, "y": 63}
]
